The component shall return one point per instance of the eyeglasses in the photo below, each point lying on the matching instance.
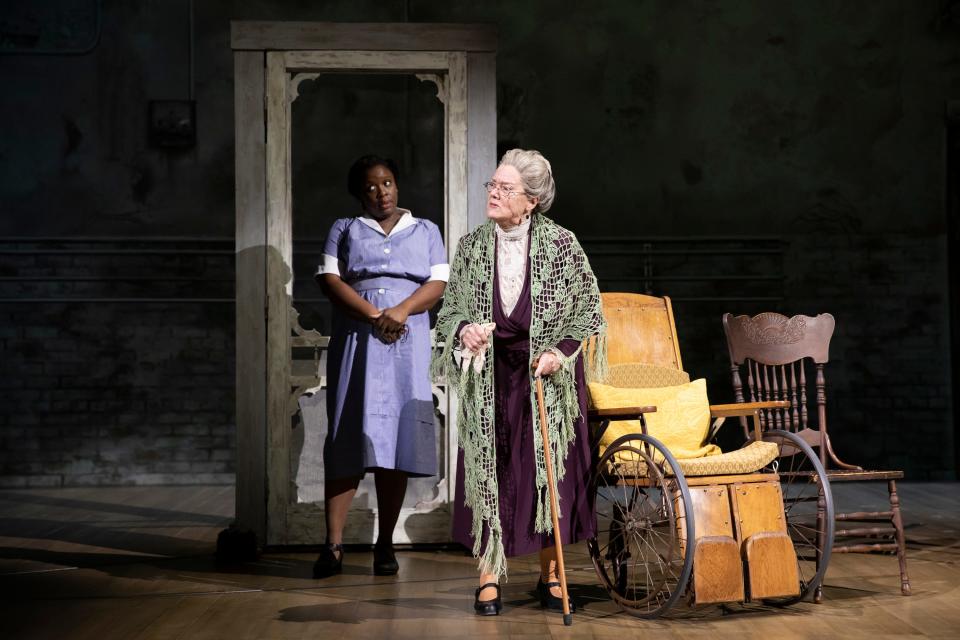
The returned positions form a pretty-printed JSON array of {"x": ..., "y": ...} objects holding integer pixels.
[{"x": 502, "y": 189}]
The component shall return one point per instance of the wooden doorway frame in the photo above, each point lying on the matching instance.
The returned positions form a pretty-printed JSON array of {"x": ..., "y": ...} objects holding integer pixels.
[{"x": 270, "y": 58}]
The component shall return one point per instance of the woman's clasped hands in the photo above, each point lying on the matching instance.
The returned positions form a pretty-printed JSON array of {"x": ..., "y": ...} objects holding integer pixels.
[
  {"x": 390, "y": 324},
  {"x": 475, "y": 337}
]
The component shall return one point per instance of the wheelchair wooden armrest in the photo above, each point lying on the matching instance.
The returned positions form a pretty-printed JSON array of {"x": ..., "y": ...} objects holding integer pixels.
[
  {"x": 606, "y": 416},
  {"x": 619, "y": 413},
  {"x": 742, "y": 410}
]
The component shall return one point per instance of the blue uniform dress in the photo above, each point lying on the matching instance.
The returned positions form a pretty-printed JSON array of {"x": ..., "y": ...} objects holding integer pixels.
[{"x": 379, "y": 401}]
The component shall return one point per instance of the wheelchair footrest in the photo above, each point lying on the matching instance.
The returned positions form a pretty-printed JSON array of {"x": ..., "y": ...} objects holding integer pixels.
[
  {"x": 717, "y": 570},
  {"x": 771, "y": 564}
]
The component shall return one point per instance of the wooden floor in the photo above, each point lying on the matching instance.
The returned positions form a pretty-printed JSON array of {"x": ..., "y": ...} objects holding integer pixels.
[{"x": 137, "y": 563}]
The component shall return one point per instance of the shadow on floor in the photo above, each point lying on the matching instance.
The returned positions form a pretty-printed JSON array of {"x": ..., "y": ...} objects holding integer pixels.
[{"x": 165, "y": 515}]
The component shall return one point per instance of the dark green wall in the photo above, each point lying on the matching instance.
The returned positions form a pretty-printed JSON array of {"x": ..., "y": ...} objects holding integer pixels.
[
  {"x": 661, "y": 117},
  {"x": 820, "y": 123}
]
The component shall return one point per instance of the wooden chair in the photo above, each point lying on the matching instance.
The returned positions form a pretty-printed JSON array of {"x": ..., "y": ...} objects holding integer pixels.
[
  {"x": 751, "y": 524},
  {"x": 776, "y": 356}
]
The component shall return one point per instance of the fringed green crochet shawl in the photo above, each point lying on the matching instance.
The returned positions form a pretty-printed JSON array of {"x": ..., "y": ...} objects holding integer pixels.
[{"x": 566, "y": 304}]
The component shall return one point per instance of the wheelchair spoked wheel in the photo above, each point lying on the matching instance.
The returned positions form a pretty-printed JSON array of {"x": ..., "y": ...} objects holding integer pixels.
[
  {"x": 808, "y": 510},
  {"x": 640, "y": 551}
]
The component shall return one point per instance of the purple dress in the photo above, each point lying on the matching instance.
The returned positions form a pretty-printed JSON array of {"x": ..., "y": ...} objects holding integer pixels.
[
  {"x": 379, "y": 398},
  {"x": 516, "y": 461}
]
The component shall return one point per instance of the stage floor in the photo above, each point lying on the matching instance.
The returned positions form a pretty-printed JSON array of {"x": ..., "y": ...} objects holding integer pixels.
[{"x": 137, "y": 562}]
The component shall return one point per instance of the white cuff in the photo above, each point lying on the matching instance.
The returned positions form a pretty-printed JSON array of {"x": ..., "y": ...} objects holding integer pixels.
[
  {"x": 439, "y": 272},
  {"x": 330, "y": 265}
]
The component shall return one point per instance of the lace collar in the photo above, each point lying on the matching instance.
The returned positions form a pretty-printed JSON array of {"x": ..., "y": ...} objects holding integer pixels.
[{"x": 516, "y": 233}]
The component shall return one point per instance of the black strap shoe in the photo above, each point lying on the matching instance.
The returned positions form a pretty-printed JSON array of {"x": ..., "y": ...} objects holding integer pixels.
[
  {"x": 330, "y": 561},
  {"x": 548, "y": 600},
  {"x": 384, "y": 560},
  {"x": 487, "y": 607}
]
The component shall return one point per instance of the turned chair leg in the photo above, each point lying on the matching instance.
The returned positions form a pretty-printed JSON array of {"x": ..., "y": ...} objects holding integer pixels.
[{"x": 901, "y": 539}]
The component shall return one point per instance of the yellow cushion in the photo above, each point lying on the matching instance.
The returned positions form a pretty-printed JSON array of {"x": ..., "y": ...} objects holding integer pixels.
[
  {"x": 751, "y": 458},
  {"x": 681, "y": 422}
]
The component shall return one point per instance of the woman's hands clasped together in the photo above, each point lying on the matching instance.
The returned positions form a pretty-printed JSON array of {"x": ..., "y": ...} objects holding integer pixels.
[
  {"x": 390, "y": 324},
  {"x": 474, "y": 338}
]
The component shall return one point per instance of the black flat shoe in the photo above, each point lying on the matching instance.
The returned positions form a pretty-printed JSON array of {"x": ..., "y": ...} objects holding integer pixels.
[
  {"x": 330, "y": 562},
  {"x": 548, "y": 600},
  {"x": 384, "y": 561},
  {"x": 487, "y": 607}
]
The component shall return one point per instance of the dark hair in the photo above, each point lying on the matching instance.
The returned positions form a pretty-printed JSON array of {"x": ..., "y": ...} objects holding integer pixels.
[{"x": 357, "y": 176}]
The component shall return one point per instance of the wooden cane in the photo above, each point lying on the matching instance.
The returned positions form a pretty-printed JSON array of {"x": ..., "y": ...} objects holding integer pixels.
[{"x": 567, "y": 618}]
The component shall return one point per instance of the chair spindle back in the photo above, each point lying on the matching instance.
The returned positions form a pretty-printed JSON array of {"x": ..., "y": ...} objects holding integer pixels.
[{"x": 776, "y": 356}]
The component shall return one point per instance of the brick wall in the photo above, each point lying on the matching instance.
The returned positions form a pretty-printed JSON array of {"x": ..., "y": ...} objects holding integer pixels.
[
  {"x": 889, "y": 390},
  {"x": 888, "y": 381},
  {"x": 114, "y": 389}
]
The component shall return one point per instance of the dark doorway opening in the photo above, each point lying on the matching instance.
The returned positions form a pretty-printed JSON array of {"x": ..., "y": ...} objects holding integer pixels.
[{"x": 337, "y": 118}]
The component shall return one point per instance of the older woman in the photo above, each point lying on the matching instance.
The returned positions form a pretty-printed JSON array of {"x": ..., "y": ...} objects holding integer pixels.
[
  {"x": 520, "y": 301},
  {"x": 382, "y": 271}
]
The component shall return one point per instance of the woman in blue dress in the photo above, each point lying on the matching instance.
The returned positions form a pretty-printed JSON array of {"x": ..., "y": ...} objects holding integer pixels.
[{"x": 382, "y": 271}]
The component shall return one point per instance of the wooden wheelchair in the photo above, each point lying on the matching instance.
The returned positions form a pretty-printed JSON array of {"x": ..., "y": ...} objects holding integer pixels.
[{"x": 751, "y": 525}]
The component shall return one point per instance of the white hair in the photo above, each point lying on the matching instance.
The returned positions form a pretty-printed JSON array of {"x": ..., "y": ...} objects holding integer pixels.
[{"x": 536, "y": 174}]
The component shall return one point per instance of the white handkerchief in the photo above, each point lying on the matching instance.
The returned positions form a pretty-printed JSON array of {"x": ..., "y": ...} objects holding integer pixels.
[{"x": 478, "y": 357}]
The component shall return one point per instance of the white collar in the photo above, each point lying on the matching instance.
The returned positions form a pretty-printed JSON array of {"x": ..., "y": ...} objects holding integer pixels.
[
  {"x": 518, "y": 232},
  {"x": 406, "y": 220}
]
